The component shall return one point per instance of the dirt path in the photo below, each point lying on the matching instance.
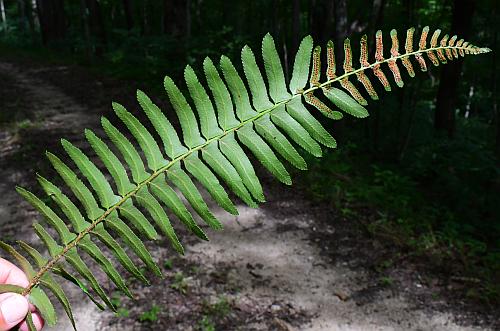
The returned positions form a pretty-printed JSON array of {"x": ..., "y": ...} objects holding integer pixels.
[
  {"x": 291, "y": 265},
  {"x": 47, "y": 114}
]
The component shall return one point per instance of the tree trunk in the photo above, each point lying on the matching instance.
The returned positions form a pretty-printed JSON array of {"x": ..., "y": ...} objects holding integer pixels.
[
  {"x": 22, "y": 14},
  {"x": 86, "y": 29},
  {"x": 97, "y": 26},
  {"x": 175, "y": 18},
  {"x": 295, "y": 26},
  {"x": 188, "y": 19},
  {"x": 341, "y": 29},
  {"x": 321, "y": 20},
  {"x": 494, "y": 88},
  {"x": 26, "y": 15},
  {"x": 52, "y": 20},
  {"x": 377, "y": 14},
  {"x": 127, "y": 11},
  {"x": 409, "y": 9},
  {"x": 34, "y": 14},
  {"x": 444, "y": 117},
  {"x": 145, "y": 19},
  {"x": 28, "y": 12},
  {"x": 276, "y": 19},
  {"x": 4, "y": 18}
]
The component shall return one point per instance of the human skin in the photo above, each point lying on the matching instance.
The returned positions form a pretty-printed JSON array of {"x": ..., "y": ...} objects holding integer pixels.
[{"x": 15, "y": 307}]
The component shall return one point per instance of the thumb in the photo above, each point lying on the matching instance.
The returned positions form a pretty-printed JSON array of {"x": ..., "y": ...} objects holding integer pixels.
[{"x": 13, "y": 309}]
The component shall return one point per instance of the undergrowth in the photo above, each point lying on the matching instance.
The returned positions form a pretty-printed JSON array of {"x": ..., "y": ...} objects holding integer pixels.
[{"x": 438, "y": 203}]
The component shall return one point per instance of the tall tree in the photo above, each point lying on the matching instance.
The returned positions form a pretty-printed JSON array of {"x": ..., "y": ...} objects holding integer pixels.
[
  {"x": 321, "y": 20},
  {"x": 341, "y": 26},
  {"x": 377, "y": 16},
  {"x": 444, "y": 117},
  {"x": 494, "y": 84},
  {"x": 28, "y": 12},
  {"x": 276, "y": 10},
  {"x": 26, "y": 15},
  {"x": 145, "y": 26},
  {"x": 127, "y": 11},
  {"x": 22, "y": 14},
  {"x": 295, "y": 25},
  {"x": 177, "y": 18},
  {"x": 86, "y": 29},
  {"x": 52, "y": 20},
  {"x": 97, "y": 27},
  {"x": 188, "y": 18},
  {"x": 4, "y": 17}
]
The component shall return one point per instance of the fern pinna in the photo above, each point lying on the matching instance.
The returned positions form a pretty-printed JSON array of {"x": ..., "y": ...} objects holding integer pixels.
[{"x": 264, "y": 121}]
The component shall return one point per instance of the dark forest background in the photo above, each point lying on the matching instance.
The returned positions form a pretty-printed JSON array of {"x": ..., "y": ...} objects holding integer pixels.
[{"x": 426, "y": 161}]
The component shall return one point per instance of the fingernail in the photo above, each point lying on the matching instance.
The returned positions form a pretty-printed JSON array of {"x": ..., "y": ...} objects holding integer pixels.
[{"x": 13, "y": 309}]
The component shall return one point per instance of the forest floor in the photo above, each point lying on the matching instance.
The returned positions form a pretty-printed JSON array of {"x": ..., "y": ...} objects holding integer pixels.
[{"x": 293, "y": 264}]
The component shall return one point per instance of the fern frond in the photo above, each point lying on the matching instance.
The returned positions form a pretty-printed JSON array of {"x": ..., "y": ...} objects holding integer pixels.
[{"x": 269, "y": 118}]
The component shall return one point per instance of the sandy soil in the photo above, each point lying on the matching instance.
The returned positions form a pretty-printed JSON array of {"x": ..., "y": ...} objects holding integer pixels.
[{"x": 291, "y": 265}]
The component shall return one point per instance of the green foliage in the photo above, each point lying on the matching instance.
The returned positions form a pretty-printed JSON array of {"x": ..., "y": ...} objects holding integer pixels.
[
  {"x": 168, "y": 264},
  {"x": 451, "y": 225},
  {"x": 180, "y": 283},
  {"x": 151, "y": 315},
  {"x": 123, "y": 312},
  {"x": 386, "y": 281},
  {"x": 259, "y": 118},
  {"x": 220, "y": 309},
  {"x": 214, "y": 312},
  {"x": 116, "y": 301},
  {"x": 206, "y": 324}
]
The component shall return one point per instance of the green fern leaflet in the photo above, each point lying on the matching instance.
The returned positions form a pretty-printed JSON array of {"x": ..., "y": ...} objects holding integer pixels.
[{"x": 269, "y": 119}]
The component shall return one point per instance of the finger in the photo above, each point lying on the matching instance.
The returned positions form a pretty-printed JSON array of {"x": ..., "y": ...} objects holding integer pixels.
[
  {"x": 37, "y": 320},
  {"x": 10, "y": 274},
  {"x": 13, "y": 309}
]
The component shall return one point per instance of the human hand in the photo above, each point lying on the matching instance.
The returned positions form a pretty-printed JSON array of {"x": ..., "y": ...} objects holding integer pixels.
[{"x": 15, "y": 307}]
